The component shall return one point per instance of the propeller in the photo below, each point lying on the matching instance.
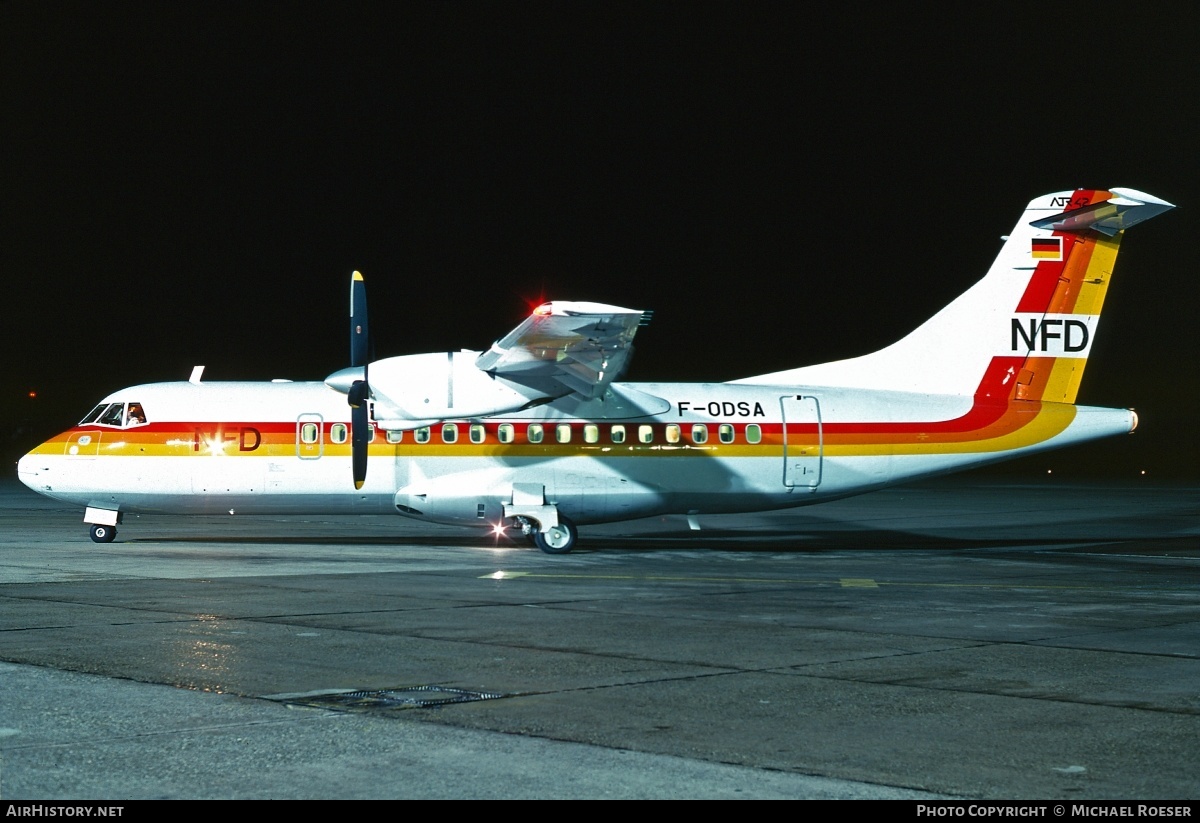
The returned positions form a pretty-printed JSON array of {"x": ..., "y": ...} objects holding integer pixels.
[{"x": 360, "y": 390}]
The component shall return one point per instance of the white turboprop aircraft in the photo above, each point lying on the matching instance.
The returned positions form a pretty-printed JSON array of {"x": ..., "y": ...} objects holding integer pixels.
[{"x": 536, "y": 433}]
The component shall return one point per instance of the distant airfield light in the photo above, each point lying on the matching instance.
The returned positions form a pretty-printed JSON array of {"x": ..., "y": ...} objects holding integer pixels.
[
  {"x": 1049, "y": 471},
  {"x": 33, "y": 394}
]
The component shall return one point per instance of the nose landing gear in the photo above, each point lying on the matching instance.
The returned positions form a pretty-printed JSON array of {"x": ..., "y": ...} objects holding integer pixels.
[
  {"x": 103, "y": 534},
  {"x": 103, "y": 523}
]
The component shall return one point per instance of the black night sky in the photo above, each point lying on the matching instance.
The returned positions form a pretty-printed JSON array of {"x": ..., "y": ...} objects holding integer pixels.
[{"x": 188, "y": 183}]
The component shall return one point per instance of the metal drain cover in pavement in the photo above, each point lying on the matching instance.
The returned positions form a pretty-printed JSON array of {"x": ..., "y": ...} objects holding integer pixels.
[{"x": 413, "y": 697}]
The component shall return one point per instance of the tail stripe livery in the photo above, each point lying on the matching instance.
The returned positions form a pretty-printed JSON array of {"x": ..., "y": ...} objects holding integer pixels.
[{"x": 1060, "y": 309}]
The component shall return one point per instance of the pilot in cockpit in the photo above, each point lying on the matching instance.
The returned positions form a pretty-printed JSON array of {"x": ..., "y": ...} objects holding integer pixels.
[{"x": 137, "y": 417}]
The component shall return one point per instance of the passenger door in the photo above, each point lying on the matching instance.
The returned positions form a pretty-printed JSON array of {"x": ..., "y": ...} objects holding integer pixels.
[{"x": 802, "y": 441}]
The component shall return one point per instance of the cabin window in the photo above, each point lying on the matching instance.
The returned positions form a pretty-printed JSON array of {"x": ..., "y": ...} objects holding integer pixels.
[
  {"x": 562, "y": 432},
  {"x": 478, "y": 433},
  {"x": 617, "y": 433},
  {"x": 308, "y": 433},
  {"x": 672, "y": 433},
  {"x": 421, "y": 435},
  {"x": 535, "y": 432},
  {"x": 699, "y": 433},
  {"x": 395, "y": 436},
  {"x": 505, "y": 432},
  {"x": 725, "y": 431},
  {"x": 449, "y": 432},
  {"x": 370, "y": 433},
  {"x": 753, "y": 433},
  {"x": 337, "y": 433},
  {"x": 646, "y": 434},
  {"x": 591, "y": 433}
]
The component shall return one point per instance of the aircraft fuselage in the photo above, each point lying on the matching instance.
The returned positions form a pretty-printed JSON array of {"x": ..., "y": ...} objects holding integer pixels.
[{"x": 644, "y": 449}]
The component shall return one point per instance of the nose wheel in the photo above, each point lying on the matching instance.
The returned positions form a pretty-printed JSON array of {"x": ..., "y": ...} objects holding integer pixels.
[
  {"x": 103, "y": 534},
  {"x": 559, "y": 539}
]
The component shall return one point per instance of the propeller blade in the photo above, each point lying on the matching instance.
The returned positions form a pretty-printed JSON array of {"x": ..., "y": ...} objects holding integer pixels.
[
  {"x": 358, "y": 321},
  {"x": 359, "y": 437},
  {"x": 360, "y": 390}
]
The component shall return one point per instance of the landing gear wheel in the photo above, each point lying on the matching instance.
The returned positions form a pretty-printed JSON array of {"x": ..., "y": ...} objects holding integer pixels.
[
  {"x": 559, "y": 540},
  {"x": 103, "y": 534}
]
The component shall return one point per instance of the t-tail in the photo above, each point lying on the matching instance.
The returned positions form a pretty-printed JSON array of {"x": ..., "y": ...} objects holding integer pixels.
[{"x": 1025, "y": 330}]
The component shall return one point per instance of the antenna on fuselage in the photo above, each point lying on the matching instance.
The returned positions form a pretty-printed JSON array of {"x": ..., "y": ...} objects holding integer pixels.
[{"x": 197, "y": 371}]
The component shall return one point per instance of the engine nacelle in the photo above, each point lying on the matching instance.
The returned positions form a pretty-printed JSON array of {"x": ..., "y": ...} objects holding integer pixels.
[{"x": 413, "y": 389}]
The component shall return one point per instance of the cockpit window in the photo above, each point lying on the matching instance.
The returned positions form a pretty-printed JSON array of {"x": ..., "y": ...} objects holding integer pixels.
[
  {"x": 136, "y": 415},
  {"x": 114, "y": 415},
  {"x": 91, "y": 416}
]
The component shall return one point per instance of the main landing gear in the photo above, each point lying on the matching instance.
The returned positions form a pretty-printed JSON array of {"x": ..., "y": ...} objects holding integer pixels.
[
  {"x": 530, "y": 509},
  {"x": 559, "y": 539}
]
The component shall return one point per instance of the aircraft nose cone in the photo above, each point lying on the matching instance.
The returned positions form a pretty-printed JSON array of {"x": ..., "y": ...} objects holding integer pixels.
[{"x": 28, "y": 470}]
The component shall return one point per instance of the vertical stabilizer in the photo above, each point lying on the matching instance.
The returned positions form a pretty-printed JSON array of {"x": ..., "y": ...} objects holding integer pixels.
[{"x": 1025, "y": 330}]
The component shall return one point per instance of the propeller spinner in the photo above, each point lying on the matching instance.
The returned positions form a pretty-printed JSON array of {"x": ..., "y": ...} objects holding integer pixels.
[{"x": 360, "y": 390}]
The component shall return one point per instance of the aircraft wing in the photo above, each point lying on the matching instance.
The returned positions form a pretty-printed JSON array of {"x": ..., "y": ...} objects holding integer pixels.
[{"x": 566, "y": 347}]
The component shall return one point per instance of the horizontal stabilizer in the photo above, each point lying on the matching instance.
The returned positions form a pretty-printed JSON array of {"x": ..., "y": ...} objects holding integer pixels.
[{"x": 1128, "y": 208}]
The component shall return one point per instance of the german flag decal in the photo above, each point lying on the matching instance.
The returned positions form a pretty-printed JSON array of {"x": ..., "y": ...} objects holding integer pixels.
[{"x": 1047, "y": 248}]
